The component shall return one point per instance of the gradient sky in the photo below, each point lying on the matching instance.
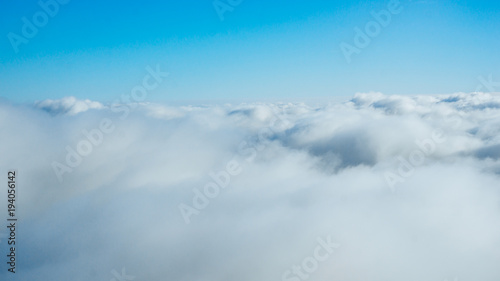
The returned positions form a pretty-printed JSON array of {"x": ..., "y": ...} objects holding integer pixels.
[{"x": 99, "y": 49}]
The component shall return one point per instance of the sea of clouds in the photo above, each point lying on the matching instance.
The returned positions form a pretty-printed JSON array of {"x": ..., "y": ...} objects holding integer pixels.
[{"x": 406, "y": 187}]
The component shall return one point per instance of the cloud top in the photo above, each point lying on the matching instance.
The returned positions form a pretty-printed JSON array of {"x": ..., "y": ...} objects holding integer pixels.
[{"x": 262, "y": 184}]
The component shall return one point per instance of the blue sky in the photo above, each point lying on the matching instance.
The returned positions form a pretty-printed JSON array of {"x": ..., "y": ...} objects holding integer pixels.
[{"x": 281, "y": 49}]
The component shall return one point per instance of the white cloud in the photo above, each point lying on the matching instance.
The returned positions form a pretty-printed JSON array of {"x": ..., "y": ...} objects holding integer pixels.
[
  {"x": 68, "y": 105},
  {"x": 314, "y": 171}
]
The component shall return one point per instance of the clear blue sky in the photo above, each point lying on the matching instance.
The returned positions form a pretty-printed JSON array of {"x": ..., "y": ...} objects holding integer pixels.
[{"x": 99, "y": 49}]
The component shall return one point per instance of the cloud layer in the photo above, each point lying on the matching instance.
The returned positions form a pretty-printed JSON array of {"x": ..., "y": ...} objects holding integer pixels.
[{"x": 407, "y": 185}]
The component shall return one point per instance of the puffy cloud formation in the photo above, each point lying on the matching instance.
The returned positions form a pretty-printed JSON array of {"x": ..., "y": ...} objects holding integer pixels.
[
  {"x": 68, "y": 105},
  {"x": 408, "y": 186}
]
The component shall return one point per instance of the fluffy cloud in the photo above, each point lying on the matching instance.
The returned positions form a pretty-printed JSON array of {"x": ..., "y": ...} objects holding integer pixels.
[
  {"x": 259, "y": 184},
  {"x": 68, "y": 105}
]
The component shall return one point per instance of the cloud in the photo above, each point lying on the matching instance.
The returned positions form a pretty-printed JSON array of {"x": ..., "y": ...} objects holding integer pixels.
[
  {"x": 68, "y": 105},
  {"x": 306, "y": 172}
]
